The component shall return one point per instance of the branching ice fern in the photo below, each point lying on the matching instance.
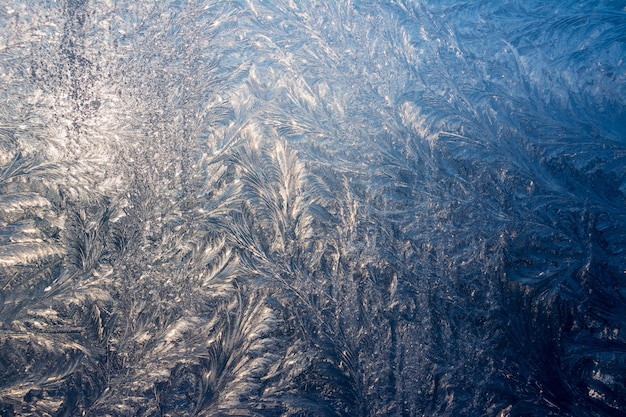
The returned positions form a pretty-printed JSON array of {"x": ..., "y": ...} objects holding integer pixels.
[
  {"x": 90, "y": 237},
  {"x": 278, "y": 196}
]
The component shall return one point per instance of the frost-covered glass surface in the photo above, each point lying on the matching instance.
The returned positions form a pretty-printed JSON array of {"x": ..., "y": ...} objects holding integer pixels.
[{"x": 312, "y": 208}]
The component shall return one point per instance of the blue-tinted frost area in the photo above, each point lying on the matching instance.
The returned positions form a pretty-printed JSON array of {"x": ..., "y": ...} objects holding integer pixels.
[{"x": 312, "y": 208}]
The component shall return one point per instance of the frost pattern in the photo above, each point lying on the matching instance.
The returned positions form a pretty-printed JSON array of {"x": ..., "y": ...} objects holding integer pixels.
[{"x": 280, "y": 208}]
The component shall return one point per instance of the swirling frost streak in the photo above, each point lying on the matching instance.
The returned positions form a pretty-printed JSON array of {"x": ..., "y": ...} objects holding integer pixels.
[{"x": 310, "y": 208}]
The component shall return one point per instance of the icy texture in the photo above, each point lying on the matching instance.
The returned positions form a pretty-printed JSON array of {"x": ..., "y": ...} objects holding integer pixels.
[{"x": 311, "y": 208}]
